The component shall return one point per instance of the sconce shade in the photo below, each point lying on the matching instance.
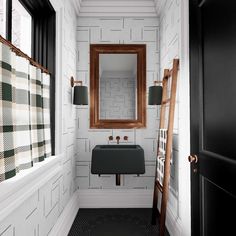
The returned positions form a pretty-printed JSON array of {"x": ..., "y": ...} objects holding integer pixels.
[
  {"x": 155, "y": 95},
  {"x": 80, "y": 95}
]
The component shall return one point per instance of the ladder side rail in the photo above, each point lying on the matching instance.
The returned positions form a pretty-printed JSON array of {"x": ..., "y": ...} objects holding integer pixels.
[
  {"x": 161, "y": 126},
  {"x": 166, "y": 179}
]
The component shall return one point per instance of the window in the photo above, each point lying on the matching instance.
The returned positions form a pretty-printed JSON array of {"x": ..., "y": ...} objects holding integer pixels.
[
  {"x": 21, "y": 27},
  {"x": 31, "y": 26},
  {"x": 15, "y": 24},
  {"x": 3, "y": 18}
]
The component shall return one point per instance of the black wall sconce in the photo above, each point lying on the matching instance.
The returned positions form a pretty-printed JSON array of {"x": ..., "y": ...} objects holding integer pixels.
[
  {"x": 80, "y": 92},
  {"x": 155, "y": 94}
]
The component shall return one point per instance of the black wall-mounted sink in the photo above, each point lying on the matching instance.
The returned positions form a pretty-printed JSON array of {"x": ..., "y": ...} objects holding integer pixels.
[{"x": 118, "y": 159}]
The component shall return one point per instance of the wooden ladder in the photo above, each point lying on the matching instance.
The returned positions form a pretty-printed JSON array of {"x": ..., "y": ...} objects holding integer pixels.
[{"x": 164, "y": 143}]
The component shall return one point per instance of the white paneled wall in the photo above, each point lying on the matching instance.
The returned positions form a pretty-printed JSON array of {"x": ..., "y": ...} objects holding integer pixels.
[
  {"x": 169, "y": 49},
  {"x": 116, "y": 30},
  {"x": 174, "y": 44},
  {"x": 35, "y": 207},
  {"x": 166, "y": 38},
  {"x": 39, "y": 212}
]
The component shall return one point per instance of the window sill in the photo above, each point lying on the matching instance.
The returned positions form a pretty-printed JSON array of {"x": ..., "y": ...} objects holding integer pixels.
[{"x": 16, "y": 190}]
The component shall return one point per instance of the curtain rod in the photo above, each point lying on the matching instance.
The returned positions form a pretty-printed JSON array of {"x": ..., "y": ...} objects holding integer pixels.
[{"x": 21, "y": 54}]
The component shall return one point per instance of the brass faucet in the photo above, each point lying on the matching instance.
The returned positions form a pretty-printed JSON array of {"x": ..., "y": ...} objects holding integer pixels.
[{"x": 118, "y": 139}]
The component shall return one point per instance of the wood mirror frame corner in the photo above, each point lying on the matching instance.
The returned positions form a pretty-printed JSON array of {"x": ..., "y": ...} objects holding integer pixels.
[{"x": 95, "y": 50}]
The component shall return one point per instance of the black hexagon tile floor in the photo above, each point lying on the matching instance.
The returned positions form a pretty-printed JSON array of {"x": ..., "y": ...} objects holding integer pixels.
[{"x": 114, "y": 222}]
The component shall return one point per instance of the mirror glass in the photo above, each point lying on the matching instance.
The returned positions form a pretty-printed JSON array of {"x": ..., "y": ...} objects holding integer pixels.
[{"x": 117, "y": 86}]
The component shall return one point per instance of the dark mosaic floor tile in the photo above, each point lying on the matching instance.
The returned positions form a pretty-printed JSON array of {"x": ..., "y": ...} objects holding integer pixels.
[{"x": 114, "y": 222}]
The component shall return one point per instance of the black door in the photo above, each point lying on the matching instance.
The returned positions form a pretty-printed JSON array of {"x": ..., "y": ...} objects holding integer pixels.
[{"x": 213, "y": 116}]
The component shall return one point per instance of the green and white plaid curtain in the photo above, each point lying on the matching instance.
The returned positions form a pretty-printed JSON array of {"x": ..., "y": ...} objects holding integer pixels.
[
  {"x": 36, "y": 114},
  {"x": 24, "y": 114},
  {"x": 46, "y": 113},
  {"x": 8, "y": 157}
]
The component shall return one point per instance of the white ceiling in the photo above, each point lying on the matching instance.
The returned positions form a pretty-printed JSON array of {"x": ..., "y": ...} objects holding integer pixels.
[{"x": 121, "y": 8}]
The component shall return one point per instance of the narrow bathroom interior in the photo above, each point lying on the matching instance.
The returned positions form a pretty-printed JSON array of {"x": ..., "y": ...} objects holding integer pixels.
[{"x": 103, "y": 120}]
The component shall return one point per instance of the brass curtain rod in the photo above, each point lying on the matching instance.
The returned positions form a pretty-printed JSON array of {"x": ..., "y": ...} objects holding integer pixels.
[{"x": 18, "y": 52}]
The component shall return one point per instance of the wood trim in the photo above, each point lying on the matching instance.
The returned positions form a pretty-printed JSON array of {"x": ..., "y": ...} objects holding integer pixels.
[
  {"x": 18, "y": 52},
  {"x": 164, "y": 96},
  {"x": 165, "y": 101},
  {"x": 164, "y": 187},
  {"x": 161, "y": 126},
  {"x": 166, "y": 178},
  {"x": 95, "y": 50}
]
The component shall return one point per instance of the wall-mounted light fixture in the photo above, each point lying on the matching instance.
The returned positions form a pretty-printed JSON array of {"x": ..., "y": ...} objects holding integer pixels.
[
  {"x": 80, "y": 92},
  {"x": 155, "y": 94}
]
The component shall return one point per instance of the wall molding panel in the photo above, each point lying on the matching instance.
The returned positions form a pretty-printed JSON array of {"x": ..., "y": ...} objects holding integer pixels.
[
  {"x": 174, "y": 44},
  {"x": 36, "y": 204},
  {"x": 32, "y": 202},
  {"x": 17, "y": 191},
  {"x": 66, "y": 219},
  {"x": 119, "y": 30}
]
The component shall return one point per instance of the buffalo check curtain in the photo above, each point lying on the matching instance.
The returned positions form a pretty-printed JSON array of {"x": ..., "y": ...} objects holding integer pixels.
[
  {"x": 24, "y": 114},
  {"x": 46, "y": 114}
]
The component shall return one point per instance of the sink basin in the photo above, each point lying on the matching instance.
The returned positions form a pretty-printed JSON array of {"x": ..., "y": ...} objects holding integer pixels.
[{"x": 117, "y": 159}]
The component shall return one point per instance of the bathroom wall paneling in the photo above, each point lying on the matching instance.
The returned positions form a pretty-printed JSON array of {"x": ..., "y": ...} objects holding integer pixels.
[
  {"x": 35, "y": 208},
  {"x": 116, "y": 30}
]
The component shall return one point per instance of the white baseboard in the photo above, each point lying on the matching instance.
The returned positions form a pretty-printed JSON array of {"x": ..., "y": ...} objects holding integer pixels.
[
  {"x": 121, "y": 198},
  {"x": 66, "y": 219},
  {"x": 173, "y": 223}
]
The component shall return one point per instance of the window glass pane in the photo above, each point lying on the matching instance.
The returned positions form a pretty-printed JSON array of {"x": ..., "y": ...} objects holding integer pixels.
[
  {"x": 3, "y": 18},
  {"x": 21, "y": 27}
]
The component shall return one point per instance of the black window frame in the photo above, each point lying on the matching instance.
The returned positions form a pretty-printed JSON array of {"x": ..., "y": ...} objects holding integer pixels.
[
  {"x": 9, "y": 20},
  {"x": 43, "y": 41}
]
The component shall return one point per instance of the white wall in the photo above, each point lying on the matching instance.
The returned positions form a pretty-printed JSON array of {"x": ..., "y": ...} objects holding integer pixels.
[
  {"x": 38, "y": 200},
  {"x": 32, "y": 202},
  {"x": 174, "y": 44},
  {"x": 164, "y": 42},
  {"x": 116, "y": 30}
]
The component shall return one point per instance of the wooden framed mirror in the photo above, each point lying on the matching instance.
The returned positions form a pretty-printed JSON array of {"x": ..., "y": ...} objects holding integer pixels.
[{"x": 117, "y": 86}]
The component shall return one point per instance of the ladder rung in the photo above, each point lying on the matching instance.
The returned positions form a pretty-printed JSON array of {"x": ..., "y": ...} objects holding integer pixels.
[
  {"x": 169, "y": 74},
  {"x": 165, "y": 101},
  {"x": 159, "y": 186},
  {"x": 170, "y": 98}
]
